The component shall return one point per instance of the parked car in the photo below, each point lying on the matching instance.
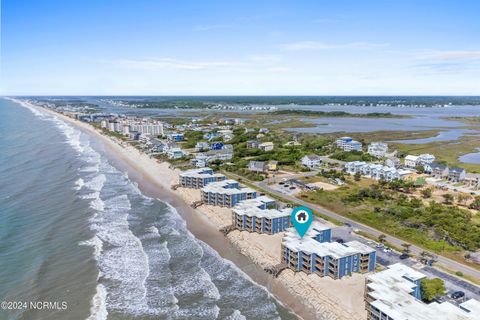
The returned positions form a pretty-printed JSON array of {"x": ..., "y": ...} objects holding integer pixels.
[
  {"x": 404, "y": 256},
  {"x": 387, "y": 249},
  {"x": 380, "y": 245},
  {"x": 457, "y": 295},
  {"x": 340, "y": 240}
]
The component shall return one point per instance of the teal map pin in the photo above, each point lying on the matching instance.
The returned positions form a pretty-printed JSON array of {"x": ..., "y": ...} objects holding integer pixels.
[{"x": 302, "y": 218}]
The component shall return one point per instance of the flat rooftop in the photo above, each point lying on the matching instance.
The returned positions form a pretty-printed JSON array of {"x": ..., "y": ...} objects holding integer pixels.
[
  {"x": 392, "y": 290},
  {"x": 200, "y": 173},
  {"x": 222, "y": 187}
]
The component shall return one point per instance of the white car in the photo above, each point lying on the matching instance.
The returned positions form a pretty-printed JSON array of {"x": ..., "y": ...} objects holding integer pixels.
[{"x": 387, "y": 250}]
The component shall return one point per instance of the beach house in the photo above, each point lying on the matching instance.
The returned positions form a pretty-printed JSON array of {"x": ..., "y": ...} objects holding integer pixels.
[
  {"x": 395, "y": 294},
  {"x": 437, "y": 170},
  {"x": 198, "y": 178},
  {"x": 252, "y": 144},
  {"x": 175, "y": 153},
  {"x": 176, "y": 137},
  {"x": 311, "y": 161},
  {"x": 325, "y": 258},
  {"x": 456, "y": 174},
  {"x": 260, "y": 215},
  {"x": 348, "y": 144},
  {"x": 472, "y": 180},
  {"x": 202, "y": 146},
  {"x": 411, "y": 161},
  {"x": 266, "y": 146},
  {"x": 257, "y": 166},
  {"x": 375, "y": 171},
  {"x": 378, "y": 149},
  {"x": 226, "y": 193}
]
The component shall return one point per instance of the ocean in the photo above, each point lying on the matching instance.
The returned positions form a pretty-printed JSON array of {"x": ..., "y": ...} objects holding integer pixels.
[{"x": 77, "y": 233}]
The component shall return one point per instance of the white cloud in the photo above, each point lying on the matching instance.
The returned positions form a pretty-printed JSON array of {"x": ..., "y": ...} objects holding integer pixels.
[{"x": 316, "y": 45}]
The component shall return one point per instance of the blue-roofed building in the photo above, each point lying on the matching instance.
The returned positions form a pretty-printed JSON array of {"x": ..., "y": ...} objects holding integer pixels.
[
  {"x": 216, "y": 146},
  {"x": 176, "y": 137}
]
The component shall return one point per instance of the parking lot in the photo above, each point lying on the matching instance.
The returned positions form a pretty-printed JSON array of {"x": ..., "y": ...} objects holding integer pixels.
[{"x": 387, "y": 257}]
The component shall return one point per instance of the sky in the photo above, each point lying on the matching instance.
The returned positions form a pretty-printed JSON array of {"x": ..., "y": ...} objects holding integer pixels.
[{"x": 317, "y": 47}]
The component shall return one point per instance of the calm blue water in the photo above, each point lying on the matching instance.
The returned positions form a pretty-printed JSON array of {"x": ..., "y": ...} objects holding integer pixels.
[{"x": 74, "y": 228}]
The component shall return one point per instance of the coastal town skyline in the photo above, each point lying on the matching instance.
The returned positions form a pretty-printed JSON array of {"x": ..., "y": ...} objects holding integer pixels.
[{"x": 215, "y": 48}]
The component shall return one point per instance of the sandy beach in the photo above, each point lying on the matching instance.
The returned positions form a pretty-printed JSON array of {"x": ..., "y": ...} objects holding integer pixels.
[{"x": 310, "y": 296}]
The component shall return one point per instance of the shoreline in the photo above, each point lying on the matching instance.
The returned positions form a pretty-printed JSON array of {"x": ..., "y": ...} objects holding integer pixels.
[{"x": 250, "y": 252}]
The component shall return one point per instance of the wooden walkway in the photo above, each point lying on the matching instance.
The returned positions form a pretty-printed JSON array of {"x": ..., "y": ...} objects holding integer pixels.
[
  {"x": 226, "y": 230},
  {"x": 276, "y": 269},
  {"x": 196, "y": 204}
]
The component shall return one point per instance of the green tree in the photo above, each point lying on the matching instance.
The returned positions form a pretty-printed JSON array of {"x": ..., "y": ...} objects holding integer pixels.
[
  {"x": 476, "y": 203},
  {"x": 448, "y": 198},
  {"x": 432, "y": 288},
  {"x": 357, "y": 176},
  {"x": 426, "y": 193},
  {"x": 420, "y": 168},
  {"x": 381, "y": 238},
  {"x": 406, "y": 247}
]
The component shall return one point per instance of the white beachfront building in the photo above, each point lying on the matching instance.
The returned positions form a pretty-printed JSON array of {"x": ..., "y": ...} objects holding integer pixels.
[
  {"x": 378, "y": 149},
  {"x": 395, "y": 293},
  {"x": 375, "y": 171}
]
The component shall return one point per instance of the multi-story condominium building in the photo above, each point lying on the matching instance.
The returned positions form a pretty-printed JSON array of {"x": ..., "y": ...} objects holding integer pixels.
[
  {"x": 222, "y": 154},
  {"x": 375, "y": 171},
  {"x": 311, "y": 161},
  {"x": 395, "y": 294},
  {"x": 348, "y": 144},
  {"x": 378, "y": 149},
  {"x": 259, "y": 215},
  {"x": 331, "y": 259},
  {"x": 199, "y": 178},
  {"x": 411, "y": 161},
  {"x": 456, "y": 174},
  {"x": 226, "y": 193},
  {"x": 152, "y": 129}
]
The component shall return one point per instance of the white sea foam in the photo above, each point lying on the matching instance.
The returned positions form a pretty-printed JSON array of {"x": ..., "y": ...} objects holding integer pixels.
[
  {"x": 98, "y": 310},
  {"x": 96, "y": 183},
  {"x": 79, "y": 184},
  {"x": 94, "y": 242}
]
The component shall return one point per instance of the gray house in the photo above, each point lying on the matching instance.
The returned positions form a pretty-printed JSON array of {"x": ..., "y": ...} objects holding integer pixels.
[
  {"x": 257, "y": 166},
  {"x": 456, "y": 174},
  {"x": 437, "y": 170}
]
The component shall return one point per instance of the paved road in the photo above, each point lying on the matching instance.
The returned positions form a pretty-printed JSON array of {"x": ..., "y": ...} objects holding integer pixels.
[{"x": 451, "y": 264}]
